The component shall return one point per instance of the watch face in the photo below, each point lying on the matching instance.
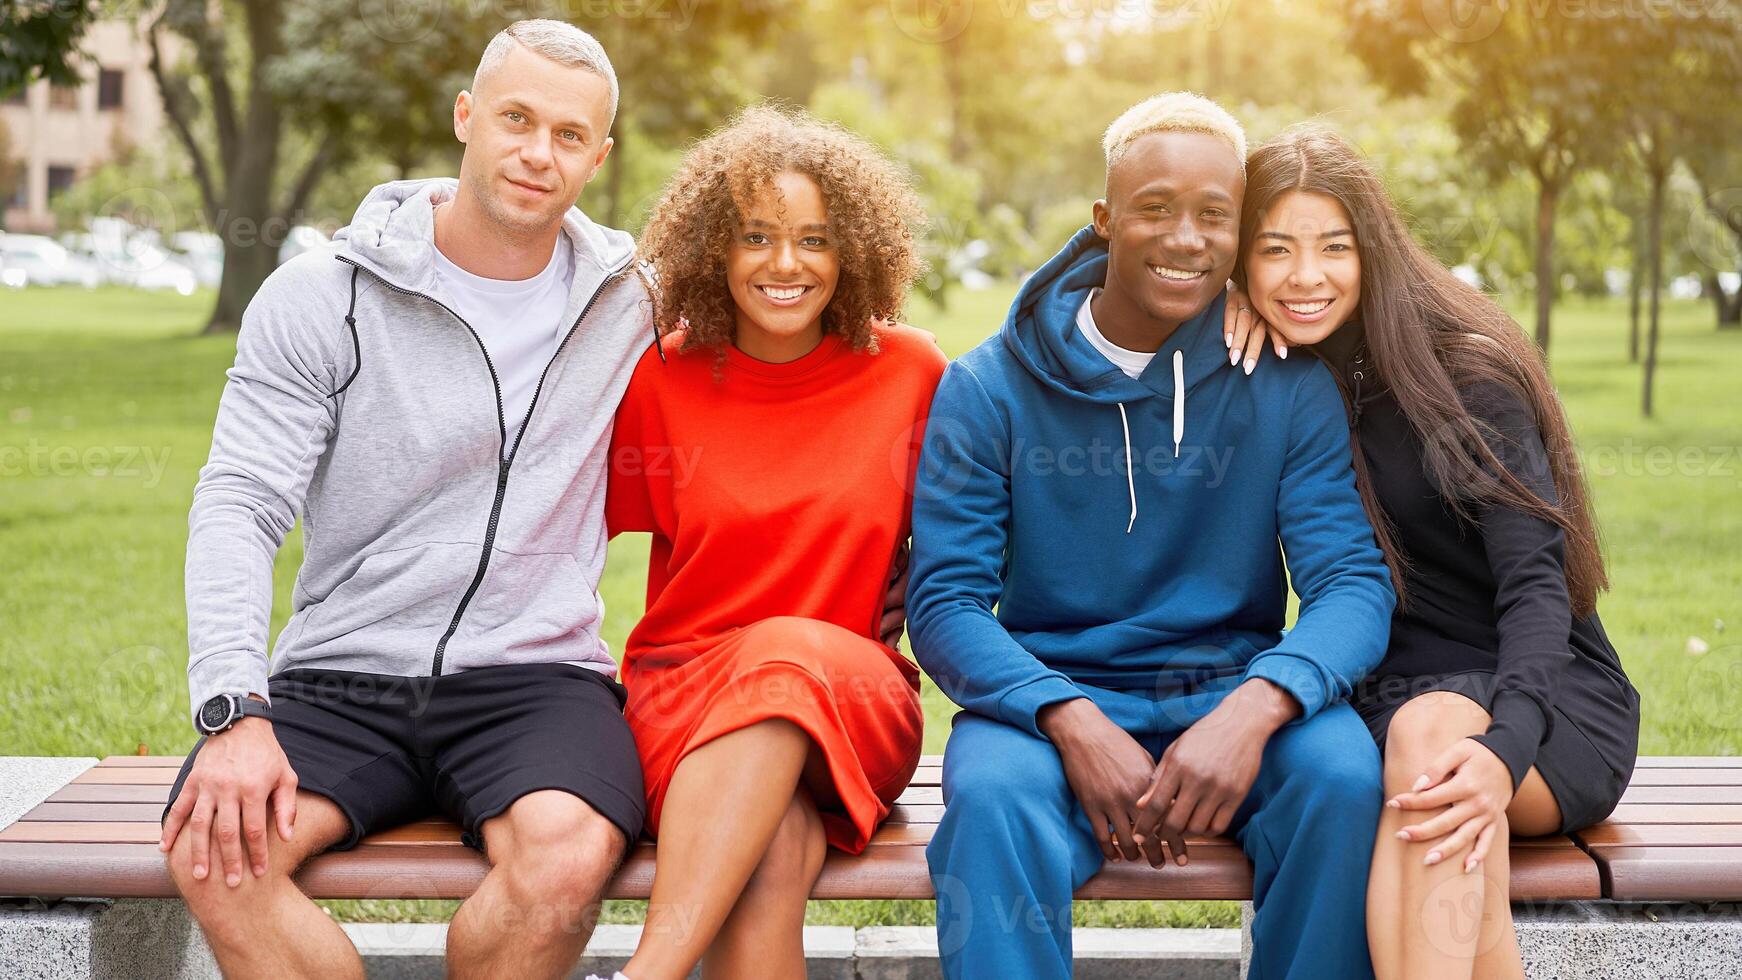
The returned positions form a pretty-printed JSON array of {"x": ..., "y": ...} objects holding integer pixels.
[{"x": 215, "y": 713}]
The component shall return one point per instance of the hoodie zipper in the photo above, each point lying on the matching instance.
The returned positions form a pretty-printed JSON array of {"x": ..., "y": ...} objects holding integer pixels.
[{"x": 503, "y": 462}]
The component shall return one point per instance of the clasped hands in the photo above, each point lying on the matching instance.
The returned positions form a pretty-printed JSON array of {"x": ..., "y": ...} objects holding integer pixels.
[{"x": 1139, "y": 807}]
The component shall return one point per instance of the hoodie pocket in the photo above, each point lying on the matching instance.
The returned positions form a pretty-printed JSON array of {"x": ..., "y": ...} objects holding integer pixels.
[
  {"x": 535, "y": 606},
  {"x": 394, "y": 602}
]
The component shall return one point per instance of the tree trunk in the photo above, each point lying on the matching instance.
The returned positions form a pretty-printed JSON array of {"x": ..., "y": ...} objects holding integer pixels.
[
  {"x": 1729, "y": 306},
  {"x": 1548, "y": 193},
  {"x": 251, "y": 228},
  {"x": 956, "y": 87},
  {"x": 1635, "y": 292},
  {"x": 1659, "y": 175}
]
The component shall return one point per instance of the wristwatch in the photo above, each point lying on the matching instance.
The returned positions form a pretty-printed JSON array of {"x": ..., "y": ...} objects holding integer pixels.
[{"x": 221, "y": 711}]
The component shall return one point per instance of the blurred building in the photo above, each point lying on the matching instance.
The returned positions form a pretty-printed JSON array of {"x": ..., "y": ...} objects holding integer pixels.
[{"x": 59, "y": 133}]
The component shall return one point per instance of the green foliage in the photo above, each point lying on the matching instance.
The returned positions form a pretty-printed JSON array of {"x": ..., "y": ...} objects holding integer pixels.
[
  {"x": 39, "y": 39},
  {"x": 149, "y": 187}
]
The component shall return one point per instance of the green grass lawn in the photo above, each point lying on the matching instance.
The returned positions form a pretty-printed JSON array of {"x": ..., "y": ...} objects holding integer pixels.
[{"x": 106, "y": 405}]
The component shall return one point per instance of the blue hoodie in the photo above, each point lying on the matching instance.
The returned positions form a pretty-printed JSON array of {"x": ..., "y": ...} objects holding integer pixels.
[{"x": 1166, "y": 575}]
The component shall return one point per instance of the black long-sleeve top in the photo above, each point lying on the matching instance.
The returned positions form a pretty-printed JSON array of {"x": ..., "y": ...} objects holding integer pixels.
[{"x": 1487, "y": 593}]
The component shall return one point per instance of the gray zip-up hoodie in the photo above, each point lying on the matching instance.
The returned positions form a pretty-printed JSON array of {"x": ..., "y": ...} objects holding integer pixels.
[{"x": 362, "y": 403}]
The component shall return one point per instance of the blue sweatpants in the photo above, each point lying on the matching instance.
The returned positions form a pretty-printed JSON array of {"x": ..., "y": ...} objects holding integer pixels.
[{"x": 1014, "y": 844}]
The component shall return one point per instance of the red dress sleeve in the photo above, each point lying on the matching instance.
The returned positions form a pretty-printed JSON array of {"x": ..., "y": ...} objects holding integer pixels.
[{"x": 636, "y": 435}]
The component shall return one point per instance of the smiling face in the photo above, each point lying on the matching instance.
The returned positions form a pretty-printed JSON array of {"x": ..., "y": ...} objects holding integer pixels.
[
  {"x": 1303, "y": 269},
  {"x": 535, "y": 133},
  {"x": 1171, "y": 219},
  {"x": 782, "y": 269}
]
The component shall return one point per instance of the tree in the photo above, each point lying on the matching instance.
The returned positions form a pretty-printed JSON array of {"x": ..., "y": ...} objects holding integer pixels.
[
  {"x": 40, "y": 39},
  {"x": 1526, "y": 93},
  {"x": 10, "y": 172},
  {"x": 1716, "y": 165},
  {"x": 1681, "y": 66}
]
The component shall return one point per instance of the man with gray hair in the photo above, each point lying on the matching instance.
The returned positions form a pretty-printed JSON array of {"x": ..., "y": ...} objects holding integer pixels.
[{"x": 433, "y": 397}]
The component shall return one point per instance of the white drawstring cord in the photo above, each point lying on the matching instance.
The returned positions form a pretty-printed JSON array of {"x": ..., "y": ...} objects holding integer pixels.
[
  {"x": 1130, "y": 480},
  {"x": 1179, "y": 400}
]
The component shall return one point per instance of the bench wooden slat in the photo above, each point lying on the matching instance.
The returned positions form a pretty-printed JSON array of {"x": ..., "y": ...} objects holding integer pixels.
[
  {"x": 1682, "y": 813},
  {"x": 1667, "y": 835},
  {"x": 1682, "y": 794},
  {"x": 1689, "y": 762},
  {"x": 1686, "y": 777},
  {"x": 126, "y": 776},
  {"x": 1671, "y": 874},
  {"x": 110, "y": 793},
  {"x": 141, "y": 812}
]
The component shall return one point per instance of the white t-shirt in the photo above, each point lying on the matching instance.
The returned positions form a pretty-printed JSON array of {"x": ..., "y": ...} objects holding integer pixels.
[
  {"x": 1132, "y": 362},
  {"x": 520, "y": 321}
]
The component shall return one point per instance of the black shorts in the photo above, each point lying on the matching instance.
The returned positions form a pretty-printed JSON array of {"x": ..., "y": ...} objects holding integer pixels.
[
  {"x": 1586, "y": 760},
  {"x": 389, "y": 750}
]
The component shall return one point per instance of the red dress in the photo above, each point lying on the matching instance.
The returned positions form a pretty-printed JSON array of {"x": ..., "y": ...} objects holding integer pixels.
[{"x": 777, "y": 495}]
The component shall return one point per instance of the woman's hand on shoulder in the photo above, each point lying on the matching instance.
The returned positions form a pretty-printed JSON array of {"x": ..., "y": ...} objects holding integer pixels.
[
  {"x": 1476, "y": 784},
  {"x": 1244, "y": 331}
]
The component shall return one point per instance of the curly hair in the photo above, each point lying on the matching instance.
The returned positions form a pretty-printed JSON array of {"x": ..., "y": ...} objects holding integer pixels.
[{"x": 873, "y": 211}]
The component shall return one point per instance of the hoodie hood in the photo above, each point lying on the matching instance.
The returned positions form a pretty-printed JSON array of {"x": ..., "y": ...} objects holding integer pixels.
[
  {"x": 393, "y": 236},
  {"x": 1041, "y": 331}
]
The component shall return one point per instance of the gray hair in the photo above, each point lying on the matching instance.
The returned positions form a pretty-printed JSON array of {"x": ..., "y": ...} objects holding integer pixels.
[{"x": 557, "y": 40}]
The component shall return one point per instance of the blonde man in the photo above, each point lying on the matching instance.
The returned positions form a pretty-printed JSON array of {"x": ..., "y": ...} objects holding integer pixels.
[
  {"x": 433, "y": 396},
  {"x": 1105, "y": 478}
]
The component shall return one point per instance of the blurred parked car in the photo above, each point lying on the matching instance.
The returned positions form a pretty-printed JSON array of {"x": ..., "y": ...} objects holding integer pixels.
[
  {"x": 202, "y": 252},
  {"x": 37, "y": 260}
]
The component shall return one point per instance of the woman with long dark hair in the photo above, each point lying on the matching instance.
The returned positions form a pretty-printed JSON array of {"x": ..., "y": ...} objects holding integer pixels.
[{"x": 1501, "y": 706}]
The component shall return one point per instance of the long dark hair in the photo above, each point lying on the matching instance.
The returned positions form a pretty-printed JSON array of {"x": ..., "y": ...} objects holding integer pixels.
[{"x": 1430, "y": 335}]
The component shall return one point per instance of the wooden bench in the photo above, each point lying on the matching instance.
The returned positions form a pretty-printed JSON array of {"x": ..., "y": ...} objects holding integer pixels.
[{"x": 1676, "y": 838}]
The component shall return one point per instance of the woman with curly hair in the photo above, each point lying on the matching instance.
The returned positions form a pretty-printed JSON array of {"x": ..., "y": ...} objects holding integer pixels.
[{"x": 768, "y": 442}]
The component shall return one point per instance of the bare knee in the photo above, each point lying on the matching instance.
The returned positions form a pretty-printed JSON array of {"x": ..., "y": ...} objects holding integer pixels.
[
  {"x": 1426, "y": 726},
  {"x": 795, "y": 855},
  {"x": 554, "y": 850}
]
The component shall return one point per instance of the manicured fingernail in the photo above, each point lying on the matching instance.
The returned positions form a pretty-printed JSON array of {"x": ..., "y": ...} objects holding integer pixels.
[
  {"x": 1403, "y": 835},
  {"x": 1470, "y": 866},
  {"x": 232, "y": 879},
  {"x": 1233, "y": 357},
  {"x": 199, "y": 871},
  {"x": 1227, "y": 340},
  {"x": 1137, "y": 839},
  {"x": 1420, "y": 783},
  {"x": 1250, "y": 364},
  {"x": 1392, "y": 803},
  {"x": 1433, "y": 857},
  {"x": 1181, "y": 860},
  {"x": 1283, "y": 353}
]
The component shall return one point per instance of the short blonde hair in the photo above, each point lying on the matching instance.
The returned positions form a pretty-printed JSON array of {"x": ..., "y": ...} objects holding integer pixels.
[{"x": 1173, "y": 112}]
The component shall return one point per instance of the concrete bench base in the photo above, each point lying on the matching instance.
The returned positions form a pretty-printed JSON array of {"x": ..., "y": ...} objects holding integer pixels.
[{"x": 102, "y": 940}]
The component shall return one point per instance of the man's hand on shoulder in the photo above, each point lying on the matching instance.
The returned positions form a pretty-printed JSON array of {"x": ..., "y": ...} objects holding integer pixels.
[
  {"x": 1105, "y": 767},
  {"x": 1206, "y": 773},
  {"x": 239, "y": 776}
]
